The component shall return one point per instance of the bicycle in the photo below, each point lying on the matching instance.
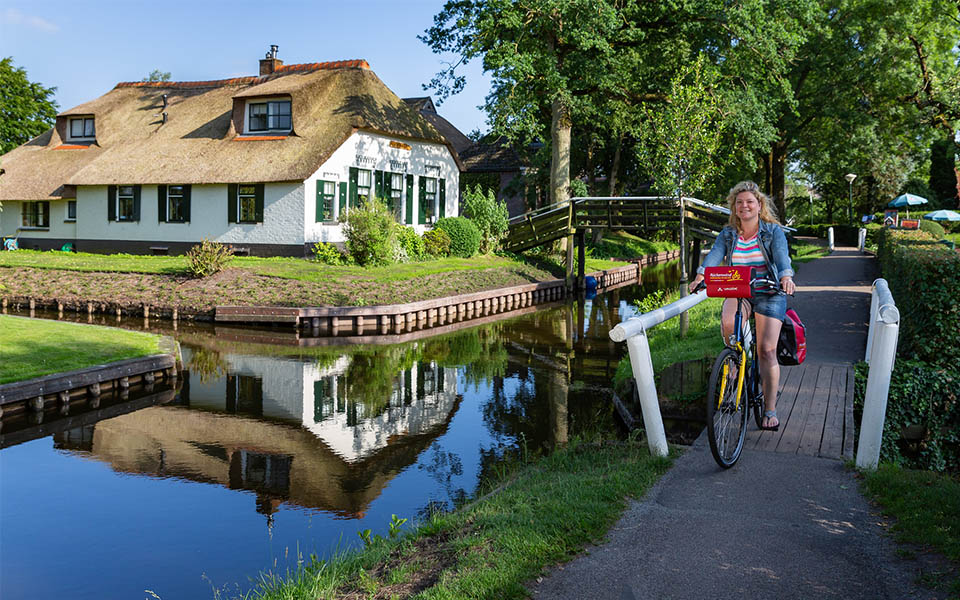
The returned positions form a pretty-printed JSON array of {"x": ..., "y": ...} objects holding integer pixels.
[{"x": 733, "y": 392}]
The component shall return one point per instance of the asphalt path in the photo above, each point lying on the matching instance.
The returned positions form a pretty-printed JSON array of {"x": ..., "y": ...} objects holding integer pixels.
[{"x": 773, "y": 526}]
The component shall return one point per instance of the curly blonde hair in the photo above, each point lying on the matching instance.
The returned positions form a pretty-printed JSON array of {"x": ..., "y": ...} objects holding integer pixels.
[{"x": 768, "y": 212}]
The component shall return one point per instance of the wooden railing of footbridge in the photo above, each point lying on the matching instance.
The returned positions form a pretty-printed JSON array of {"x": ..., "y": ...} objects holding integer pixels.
[{"x": 637, "y": 214}]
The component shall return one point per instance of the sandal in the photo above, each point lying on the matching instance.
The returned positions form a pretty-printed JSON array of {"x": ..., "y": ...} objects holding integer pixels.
[{"x": 770, "y": 414}]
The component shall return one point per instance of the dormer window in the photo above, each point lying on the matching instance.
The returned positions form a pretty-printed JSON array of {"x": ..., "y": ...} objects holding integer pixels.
[
  {"x": 81, "y": 128},
  {"x": 272, "y": 115}
]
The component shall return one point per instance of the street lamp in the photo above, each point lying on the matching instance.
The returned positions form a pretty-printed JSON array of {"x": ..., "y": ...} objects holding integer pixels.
[
  {"x": 850, "y": 177},
  {"x": 810, "y": 192}
]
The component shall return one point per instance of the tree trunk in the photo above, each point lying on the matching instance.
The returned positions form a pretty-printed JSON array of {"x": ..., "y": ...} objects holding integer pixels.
[
  {"x": 560, "y": 158},
  {"x": 778, "y": 179},
  {"x": 611, "y": 181}
]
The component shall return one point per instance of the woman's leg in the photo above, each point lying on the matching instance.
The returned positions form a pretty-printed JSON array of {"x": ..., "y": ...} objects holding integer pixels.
[
  {"x": 768, "y": 332},
  {"x": 728, "y": 315}
]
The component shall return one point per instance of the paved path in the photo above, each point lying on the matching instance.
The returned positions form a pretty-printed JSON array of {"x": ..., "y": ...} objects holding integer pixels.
[{"x": 776, "y": 525}]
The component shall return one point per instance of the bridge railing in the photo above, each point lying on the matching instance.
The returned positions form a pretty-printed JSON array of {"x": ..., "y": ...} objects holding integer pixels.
[
  {"x": 881, "y": 354},
  {"x": 634, "y": 332}
]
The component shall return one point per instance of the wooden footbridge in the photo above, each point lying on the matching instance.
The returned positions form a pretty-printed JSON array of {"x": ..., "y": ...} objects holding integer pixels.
[{"x": 694, "y": 219}]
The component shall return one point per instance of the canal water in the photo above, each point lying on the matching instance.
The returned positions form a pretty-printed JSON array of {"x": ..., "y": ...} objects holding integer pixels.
[{"x": 272, "y": 449}]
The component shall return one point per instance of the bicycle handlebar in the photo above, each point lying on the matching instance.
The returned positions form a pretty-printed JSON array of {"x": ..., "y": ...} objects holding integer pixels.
[{"x": 753, "y": 284}]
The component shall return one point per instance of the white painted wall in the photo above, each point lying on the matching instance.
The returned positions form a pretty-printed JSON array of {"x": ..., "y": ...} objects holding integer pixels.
[
  {"x": 11, "y": 219},
  {"x": 372, "y": 151},
  {"x": 283, "y": 209}
]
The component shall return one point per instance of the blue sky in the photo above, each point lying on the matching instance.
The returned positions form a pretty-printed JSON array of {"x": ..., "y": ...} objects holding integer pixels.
[{"x": 84, "y": 47}]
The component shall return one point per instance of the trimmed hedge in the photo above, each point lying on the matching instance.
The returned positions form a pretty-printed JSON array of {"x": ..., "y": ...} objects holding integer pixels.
[
  {"x": 924, "y": 278},
  {"x": 922, "y": 425},
  {"x": 464, "y": 235}
]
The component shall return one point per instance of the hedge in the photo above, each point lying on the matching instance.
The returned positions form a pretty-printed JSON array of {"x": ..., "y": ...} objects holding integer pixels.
[
  {"x": 924, "y": 278},
  {"x": 464, "y": 235}
]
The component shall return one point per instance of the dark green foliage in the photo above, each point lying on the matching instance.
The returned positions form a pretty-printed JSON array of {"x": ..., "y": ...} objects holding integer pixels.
[
  {"x": 943, "y": 178},
  {"x": 924, "y": 278},
  {"x": 370, "y": 234},
  {"x": 483, "y": 181},
  {"x": 410, "y": 246},
  {"x": 488, "y": 214},
  {"x": 464, "y": 235},
  {"x": 27, "y": 109},
  {"x": 843, "y": 235},
  {"x": 208, "y": 257},
  {"x": 328, "y": 254},
  {"x": 436, "y": 242},
  {"x": 922, "y": 425},
  {"x": 932, "y": 227}
]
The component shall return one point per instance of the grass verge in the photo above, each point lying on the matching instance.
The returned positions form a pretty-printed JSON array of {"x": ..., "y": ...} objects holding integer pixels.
[
  {"x": 926, "y": 507},
  {"x": 546, "y": 512},
  {"x": 36, "y": 347}
]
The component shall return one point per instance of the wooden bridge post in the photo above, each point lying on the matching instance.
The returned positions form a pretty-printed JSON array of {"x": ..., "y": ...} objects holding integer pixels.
[
  {"x": 581, "y": 259},
  {"x": 684, "y": 317}
]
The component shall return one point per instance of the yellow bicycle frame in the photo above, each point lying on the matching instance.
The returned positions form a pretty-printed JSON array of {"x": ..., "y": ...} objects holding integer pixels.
[{"x": 726, "y": 370}]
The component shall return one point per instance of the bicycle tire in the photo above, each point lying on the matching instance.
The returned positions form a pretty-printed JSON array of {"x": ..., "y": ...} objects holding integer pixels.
[
  {"x": 756, "y": 398},
  {"x": 726, "y": 419}
]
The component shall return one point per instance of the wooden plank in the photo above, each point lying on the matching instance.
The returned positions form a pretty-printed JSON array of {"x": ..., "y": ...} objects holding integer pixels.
[
  {"x": 813, "y": 425},
  {"x": 791, "y": 379},
  {"x": 832, "y": 444},
  {"x": 848, "y": 424},
  {"x": 791, "y": 434}
]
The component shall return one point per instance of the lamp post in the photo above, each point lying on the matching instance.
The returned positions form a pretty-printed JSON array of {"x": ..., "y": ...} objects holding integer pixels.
[
  {"x": 850, "y": 177},
  {"x": 810, "y": 192}
]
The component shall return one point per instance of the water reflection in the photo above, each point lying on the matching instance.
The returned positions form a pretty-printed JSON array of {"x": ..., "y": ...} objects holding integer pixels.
[{"x": 272, "y": 444}]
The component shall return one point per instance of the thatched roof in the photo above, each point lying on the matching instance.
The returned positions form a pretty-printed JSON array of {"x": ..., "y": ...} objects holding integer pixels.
[
  {"x": 425, "y": 107},
  {"x": 199, "y": 144},
  {"x": 497, "y": 157}
]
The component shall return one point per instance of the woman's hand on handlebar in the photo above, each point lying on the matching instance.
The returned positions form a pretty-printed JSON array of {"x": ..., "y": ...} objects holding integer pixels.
[
  {"x": 696, "y": 283},
  {"x": 787, "y": 285}
]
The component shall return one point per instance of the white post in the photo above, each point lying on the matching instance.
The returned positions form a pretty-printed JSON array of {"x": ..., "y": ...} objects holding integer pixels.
[
  {"x": 642, "y": 365},
  {"x": 830, "y": 238},
  {"x": 875, "y": 400},
  {"x": 882, "y": 309},
  {"x": 862, "y": 239}
]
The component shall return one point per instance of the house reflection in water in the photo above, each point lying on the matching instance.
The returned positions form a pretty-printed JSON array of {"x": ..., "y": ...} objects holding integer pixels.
[{"x": 325, "y": 437}]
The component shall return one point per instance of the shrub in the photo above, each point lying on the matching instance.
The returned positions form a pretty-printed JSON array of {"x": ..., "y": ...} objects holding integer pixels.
[
  {"x": 933, "y": 228},
  {"x": 464, "y": 235},
  {"x": 370, "y": 233},
  {"x": 328, "y": 254},
  {"x": 921, "y": 429},
  {"x": 488, "y": 214},
  {"x": 436, "y": 242},
  {"x": 924, "y": 278},
  {"x": 412, "y": 244},
  {"x": 207, "y": 258}
]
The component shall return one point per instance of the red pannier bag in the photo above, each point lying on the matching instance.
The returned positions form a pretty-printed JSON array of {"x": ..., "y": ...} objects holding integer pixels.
[
  {"x": 728, "y": 282},
  {"x": 792, "y": 345}
]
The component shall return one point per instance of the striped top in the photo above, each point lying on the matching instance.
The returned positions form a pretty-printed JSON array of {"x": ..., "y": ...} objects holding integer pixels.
[{"x": 747, "y": 253}]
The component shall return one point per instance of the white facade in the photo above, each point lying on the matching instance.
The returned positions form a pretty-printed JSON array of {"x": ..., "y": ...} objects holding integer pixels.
[{"x": 60, "y": 226}]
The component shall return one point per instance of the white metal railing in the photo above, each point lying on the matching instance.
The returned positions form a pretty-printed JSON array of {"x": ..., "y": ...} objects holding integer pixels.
[
  {"x": 634, "y": 332},
  {"x": 861, "y": 239},
  {"x": 830, "y": 238},
  {"x": 881, "y": 354}
]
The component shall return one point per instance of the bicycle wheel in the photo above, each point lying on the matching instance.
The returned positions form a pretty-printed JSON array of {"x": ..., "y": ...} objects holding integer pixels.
[
  {"x": 726, "y": 418},
  {"x": 756, "y": 397}
]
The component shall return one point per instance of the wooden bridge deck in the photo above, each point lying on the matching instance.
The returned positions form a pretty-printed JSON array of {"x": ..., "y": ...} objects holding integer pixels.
[{"x": 815, "y": 411}]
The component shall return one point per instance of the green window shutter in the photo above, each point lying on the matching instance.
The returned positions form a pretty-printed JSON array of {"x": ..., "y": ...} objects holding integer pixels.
[
  {"x": 136, "y": 203},
  {"x": 45, "y": 214},
  {"x": 111, "y": 203},
  {"x": 409, "y": 220},
  {"x": 232, "y": 203},
  {"x": 186, "y": 203},
  {"x": 353, "y": 186},
  {"x": 161, "y": 203},
  {"x": 259, "y": 207},
  {"x": 343, "y": 199},
  {"x": 378, "y": 185},
  {"x": 443, "y": 197},
  {"x": 319, "y": 203},
  {"x": 422, "y": 193}
]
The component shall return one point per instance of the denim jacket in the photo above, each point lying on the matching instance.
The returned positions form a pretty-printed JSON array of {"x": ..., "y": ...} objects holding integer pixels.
[{"x": 773, "y": 245}]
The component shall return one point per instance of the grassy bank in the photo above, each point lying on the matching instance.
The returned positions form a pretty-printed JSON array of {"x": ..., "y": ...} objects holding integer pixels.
[
  {"x": 544, "y": 513},
  {"x": 35, "y": 347},
  {"x": 926, "y": 509}
]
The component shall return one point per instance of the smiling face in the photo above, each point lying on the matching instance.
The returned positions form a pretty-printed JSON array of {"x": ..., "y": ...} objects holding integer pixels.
[{"x": 747, "y": 206}]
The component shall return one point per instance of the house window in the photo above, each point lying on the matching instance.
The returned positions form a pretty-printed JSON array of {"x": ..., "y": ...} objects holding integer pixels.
[
  {"x": 36, "y": 214},
  {"x": 71, "y": 210},
  {"x": 247, "y": 204},
  {"x": 326, "y": 192},
  {"x": 429, "y": 199},
  {"x": 176, "y": 204},
  {"x": 81, "y": 128},
  {"x": 269, "y": 116},
  {"x": 396, "y": 191},
  {"x": 125, "y": 202},
  {"x": 363, "y": 186}
]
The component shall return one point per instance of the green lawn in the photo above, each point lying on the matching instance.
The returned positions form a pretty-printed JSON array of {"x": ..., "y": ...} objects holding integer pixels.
[{"x": 34, "y": 347}]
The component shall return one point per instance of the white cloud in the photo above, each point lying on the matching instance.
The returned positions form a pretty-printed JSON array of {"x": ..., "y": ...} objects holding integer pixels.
[{"x": 12, "y": 16}]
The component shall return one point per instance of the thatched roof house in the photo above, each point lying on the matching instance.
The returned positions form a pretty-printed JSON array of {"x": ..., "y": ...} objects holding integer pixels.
[{"x": 205, "y": 133}]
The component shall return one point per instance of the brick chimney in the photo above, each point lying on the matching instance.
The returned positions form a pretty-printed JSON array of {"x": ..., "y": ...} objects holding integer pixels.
[{"x": 270, "y": 64}]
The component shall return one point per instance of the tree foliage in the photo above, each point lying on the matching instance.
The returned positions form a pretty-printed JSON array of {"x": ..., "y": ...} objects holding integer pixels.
[
  {"x": 27, "y": 109},
  {"x": 157, "y": 75}
]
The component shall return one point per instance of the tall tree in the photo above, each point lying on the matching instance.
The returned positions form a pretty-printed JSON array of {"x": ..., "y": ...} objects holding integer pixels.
[
  {"x": 157, "y": 75},
  {"x": 27, "y": 109},
  {"x": 943, "y": 175}
]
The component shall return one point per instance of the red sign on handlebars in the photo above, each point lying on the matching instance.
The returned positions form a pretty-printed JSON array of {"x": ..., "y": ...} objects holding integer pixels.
[{"x": 728, "y": 282}]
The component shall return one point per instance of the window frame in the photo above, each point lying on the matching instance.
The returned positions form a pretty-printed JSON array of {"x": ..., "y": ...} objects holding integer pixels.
[
  {"x": 71, "y": 204},
  {"x": 430, "y": 208},
  {"x": 270, "y": 117},
  {"x": 369, "y": 186},
  {"x": 35, "y": 213},
  {"x": 249, "y": 196},
  {"x": 132, "y": 197},
  {"x": 182, "y": 196},
  {"x": 322, "y": 201},
  {"x": 85, "y": 136}
]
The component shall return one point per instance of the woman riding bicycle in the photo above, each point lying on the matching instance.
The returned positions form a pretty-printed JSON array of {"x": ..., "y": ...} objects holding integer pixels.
[{"x": 754, "y": 238}]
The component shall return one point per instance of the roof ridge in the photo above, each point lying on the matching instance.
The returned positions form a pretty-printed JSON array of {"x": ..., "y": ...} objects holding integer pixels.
[
  {"x": 357, "y": 63},
  {"x": 316, "y": 66}
]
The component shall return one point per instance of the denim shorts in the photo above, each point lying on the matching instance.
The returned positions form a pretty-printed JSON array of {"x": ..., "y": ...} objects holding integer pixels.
[{"x": 769, "y": 305}]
